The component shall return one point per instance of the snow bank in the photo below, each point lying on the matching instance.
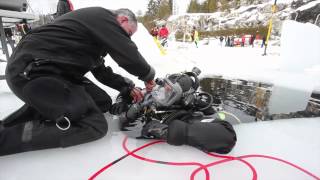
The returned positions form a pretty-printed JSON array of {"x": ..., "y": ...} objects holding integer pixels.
[
  {"x": 299, "y": 46},
  {"x": 308, "y": 5},
  {"x": 299, "y": 67}
]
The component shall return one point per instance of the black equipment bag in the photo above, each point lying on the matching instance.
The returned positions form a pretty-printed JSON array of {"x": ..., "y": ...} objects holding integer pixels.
[{"x": 216, "y": 136}]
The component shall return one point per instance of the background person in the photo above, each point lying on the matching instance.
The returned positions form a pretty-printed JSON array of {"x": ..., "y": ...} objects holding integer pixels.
[
  {"x": 163, "y": 35},
  {"x": 195, "y": 36}
]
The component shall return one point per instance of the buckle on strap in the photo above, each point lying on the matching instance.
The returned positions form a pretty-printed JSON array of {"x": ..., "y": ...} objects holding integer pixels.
[{"x": 63, "y": 123}]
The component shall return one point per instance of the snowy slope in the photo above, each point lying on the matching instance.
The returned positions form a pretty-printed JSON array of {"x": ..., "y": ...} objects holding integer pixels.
[{"x": 256, "y": 14}]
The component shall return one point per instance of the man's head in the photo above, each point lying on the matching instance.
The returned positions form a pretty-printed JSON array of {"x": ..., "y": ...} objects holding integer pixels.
[{"x": 127, "y": 20}]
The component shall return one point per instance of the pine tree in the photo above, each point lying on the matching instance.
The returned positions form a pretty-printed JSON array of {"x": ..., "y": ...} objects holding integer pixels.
[
  {"x": 237, "y": 3},
  {"x": 170, "y": 5},
  {"x": 156, "y": 9},
  {"x": 225, "y": 4},
  {"x": 153, "y": 8},
  {"x": 164, "y": 9},
  {"x": 194, "y": 7},
  {"x": 249, "y": 2},
  {"x": 208, "y": 6},
  {"x": 212, "y": 6},
  {"x": 204, "y": 7}
]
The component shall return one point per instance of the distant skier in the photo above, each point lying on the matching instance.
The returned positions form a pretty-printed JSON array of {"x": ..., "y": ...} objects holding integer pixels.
[
  {"x": 195, "y": 36},
  {"x": 228, "y": 41},
  {"x": 46, "y": 71},
  {"x": 243, "y": 40},
  {"x": 252, "y": 38},
  {"x": 232, "y": 43},
  {"x": 221, "y": 40},
  {"x": 163, "y": 35},
  {"x": 154, "y": 31},
  {"x": 263, "y": 41}
]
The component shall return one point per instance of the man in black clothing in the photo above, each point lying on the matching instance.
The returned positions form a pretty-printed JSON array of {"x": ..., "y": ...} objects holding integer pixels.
[{"x": 63, "y": 108}]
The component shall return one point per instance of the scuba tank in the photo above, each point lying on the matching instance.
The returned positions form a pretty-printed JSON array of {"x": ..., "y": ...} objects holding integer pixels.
[
  {"x": 174, "y": 93},
  {"x": 176, "y": 89}
]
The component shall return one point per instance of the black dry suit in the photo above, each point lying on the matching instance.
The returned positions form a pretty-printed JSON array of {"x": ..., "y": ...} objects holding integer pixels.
[{"x": 47, "y": 70}]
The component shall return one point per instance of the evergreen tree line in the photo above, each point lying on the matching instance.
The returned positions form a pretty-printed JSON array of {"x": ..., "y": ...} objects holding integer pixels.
[
  {"x": 211, "y": 6},
  {"x": 156, "y": 10}
]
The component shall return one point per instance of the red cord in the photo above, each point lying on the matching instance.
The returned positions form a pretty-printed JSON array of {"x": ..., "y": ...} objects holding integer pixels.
[
  {"x": 112, "y": 163},
  {"x": 167, "y": 163},
  {"x": 252, "y": 156},
  {"x": 201, "y": 166}
]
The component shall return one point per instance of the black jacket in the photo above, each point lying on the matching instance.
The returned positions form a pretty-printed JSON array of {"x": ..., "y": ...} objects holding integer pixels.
[{"x": 75, "y": 44}]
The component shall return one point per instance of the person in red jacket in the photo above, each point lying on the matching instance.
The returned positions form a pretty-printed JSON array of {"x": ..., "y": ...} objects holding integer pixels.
[
  {"x": 243, "y": 40},
  {"x": 163, "y": 32},
  {"x": 163, "y": 35}
]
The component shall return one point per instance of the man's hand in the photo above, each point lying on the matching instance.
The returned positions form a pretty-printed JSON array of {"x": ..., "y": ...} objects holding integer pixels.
[
  {"x": 150, "y": 85},
  {"x": 136, "y": 95},
  {"x": 127, "y": 95},
  {"x": 118, "y": 107}
]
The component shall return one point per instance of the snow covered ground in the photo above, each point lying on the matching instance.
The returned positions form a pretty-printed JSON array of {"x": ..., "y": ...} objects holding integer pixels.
[{"x": 262, "y": 147}]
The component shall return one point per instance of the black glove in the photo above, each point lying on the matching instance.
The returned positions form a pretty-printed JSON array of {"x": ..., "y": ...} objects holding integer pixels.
[
  {"x": 128, "y": 95},
  {"x": 120, "y": 106},
  {"x": 154, "y": 129},
  {"x": 123, "y": 99}
]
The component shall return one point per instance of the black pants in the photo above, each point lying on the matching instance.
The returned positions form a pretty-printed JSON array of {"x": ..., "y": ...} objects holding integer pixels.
[{"x": 47, "y": 98}]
